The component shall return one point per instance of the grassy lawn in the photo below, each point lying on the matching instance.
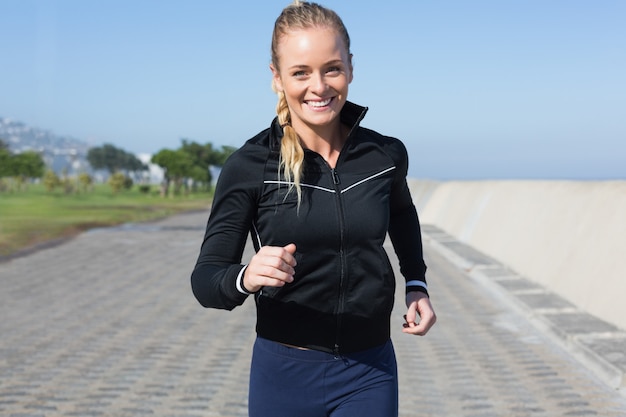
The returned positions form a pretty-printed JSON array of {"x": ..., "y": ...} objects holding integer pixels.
[{"x": 34, "y": 216}]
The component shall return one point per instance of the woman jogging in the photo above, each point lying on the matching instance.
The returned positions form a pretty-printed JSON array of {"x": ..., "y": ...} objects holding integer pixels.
[{"x": 318, "y": 194}]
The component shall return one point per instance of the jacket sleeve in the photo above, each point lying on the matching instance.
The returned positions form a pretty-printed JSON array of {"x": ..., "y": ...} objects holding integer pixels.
[
  {"x": 404, "y": 226},
  {"x": 214, "y": 278}
]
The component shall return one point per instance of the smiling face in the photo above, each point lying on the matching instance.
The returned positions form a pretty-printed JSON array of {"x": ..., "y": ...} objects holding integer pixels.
[{"x": 314, "y": 72}]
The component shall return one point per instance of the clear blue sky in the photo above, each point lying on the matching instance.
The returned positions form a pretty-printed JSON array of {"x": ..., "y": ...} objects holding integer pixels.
[{"x": 476, "y": 89}]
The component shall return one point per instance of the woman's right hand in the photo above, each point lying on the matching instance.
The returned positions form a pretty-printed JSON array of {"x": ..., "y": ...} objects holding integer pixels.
[{"x": 271, "y": 266}]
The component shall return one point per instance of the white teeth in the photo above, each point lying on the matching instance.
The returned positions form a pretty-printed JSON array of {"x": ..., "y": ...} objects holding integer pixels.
[{"x": 319, "y": 103}]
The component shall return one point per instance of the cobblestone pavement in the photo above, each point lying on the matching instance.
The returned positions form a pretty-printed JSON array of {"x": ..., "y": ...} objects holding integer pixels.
[{"x": 106, "y": 325}]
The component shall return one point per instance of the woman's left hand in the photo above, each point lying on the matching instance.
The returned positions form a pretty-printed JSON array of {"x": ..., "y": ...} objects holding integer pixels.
[{"x": 420, "y": 316}]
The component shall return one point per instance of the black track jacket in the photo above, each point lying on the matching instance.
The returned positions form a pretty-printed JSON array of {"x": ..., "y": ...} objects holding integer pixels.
[{"x": 343, "y": 290}]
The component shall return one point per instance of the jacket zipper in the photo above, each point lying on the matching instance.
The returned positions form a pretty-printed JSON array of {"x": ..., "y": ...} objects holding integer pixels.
[
  {"x": 336, "y": 183},
  {"x": 341, "y": 301}
]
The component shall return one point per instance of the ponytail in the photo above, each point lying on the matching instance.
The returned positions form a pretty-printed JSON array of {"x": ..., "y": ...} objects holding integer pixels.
[{"x": 291, "y": 152}]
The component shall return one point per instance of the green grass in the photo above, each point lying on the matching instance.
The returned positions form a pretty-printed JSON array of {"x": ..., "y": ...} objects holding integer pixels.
[{"x": 34, "y": 216}]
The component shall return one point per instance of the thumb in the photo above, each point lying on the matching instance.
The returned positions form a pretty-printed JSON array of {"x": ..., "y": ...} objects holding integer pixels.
[
  {"x": 411, "y": 314},
  {"x": 291, "y": 248}
]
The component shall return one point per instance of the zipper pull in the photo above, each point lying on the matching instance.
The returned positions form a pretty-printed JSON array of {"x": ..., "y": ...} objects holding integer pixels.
[
  {"x": 339, "y": 356},
  {"x": 335, "y": 176}
]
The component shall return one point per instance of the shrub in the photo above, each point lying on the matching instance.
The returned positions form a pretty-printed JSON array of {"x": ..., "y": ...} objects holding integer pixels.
[
  {"x": 117, "y": 181},
  {"x": 51, "y": 180}
]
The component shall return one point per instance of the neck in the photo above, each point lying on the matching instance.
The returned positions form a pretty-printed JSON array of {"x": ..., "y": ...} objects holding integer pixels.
[{"x": 327, "y": 141}]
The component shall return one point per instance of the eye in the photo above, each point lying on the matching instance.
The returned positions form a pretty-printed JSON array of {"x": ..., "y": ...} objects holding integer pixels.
[
  {"x": 299, "y": 74},
  {"x": 333, "y": 70}
]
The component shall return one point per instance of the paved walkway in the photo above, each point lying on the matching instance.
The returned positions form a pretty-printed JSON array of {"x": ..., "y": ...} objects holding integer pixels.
[{"x": 106, "y": 325}]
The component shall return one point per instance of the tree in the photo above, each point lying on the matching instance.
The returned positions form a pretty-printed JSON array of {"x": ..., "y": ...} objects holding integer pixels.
[
  {"x": 28, "y": 164},
  {"x": 204, "y": 156},
  {"x": 5, "y": 163},
  {"x": 189, "y": 163},
  {"x": 85, "y": 180},
  {"x": 51, "y": 180},
  {"x": 177, "y": 166},
  {"x": 113, "y": 159},
  {"x": 21, "y": 167},
  {"x": 201, "y": 156},
  {"x": 117, "y": 181}
]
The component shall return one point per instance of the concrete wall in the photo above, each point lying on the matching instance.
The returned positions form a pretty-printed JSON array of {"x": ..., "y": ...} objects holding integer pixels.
[{"x": 568, "y": 236}]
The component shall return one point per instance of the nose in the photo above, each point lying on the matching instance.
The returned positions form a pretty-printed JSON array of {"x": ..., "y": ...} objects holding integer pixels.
[{"x": 318, "y": 84}]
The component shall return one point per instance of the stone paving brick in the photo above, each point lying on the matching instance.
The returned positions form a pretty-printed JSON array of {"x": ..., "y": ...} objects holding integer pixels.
[{"x": 106, "y": 325}]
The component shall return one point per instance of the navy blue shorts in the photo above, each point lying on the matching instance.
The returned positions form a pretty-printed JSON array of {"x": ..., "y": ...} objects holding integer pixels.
[{"x": 289, "y": 382}]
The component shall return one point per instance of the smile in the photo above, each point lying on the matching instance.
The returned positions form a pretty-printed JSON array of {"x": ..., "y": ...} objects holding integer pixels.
[{"x": 319, "y": 104}]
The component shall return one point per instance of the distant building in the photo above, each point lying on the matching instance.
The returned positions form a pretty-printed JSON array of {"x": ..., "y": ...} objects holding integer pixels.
[
  {"x": 61, "y": 154},
  {"x": 155, "y": 173}
]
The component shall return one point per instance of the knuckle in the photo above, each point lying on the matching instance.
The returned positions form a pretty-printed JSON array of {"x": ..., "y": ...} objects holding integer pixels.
[{"x": 267, "y": 271}]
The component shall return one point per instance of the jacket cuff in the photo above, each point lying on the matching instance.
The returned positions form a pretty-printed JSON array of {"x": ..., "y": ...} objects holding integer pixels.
[
  {"x": 416, "y": 285},
  {"x": 239, "y": 282}
]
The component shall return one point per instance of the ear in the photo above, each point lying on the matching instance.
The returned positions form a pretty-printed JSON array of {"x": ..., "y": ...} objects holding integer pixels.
[{"x": 277, "y": 83}]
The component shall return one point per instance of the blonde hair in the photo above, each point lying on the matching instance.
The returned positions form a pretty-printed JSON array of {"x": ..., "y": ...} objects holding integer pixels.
[{"x": 298, "y": 15}]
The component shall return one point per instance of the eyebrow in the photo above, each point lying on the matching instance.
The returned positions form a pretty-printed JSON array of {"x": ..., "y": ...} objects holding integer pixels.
[{"x": 334, "y": 61}]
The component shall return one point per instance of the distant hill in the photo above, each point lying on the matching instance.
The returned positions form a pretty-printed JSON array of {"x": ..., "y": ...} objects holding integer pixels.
[{"x": 59, "y": 152}]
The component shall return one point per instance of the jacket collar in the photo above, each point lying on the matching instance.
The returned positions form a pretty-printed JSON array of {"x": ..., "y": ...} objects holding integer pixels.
[{"x": 351, "y": 115}]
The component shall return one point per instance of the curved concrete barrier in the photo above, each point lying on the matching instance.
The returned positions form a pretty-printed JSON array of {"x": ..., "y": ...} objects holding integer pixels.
[{"x": 569, "y": 236}]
